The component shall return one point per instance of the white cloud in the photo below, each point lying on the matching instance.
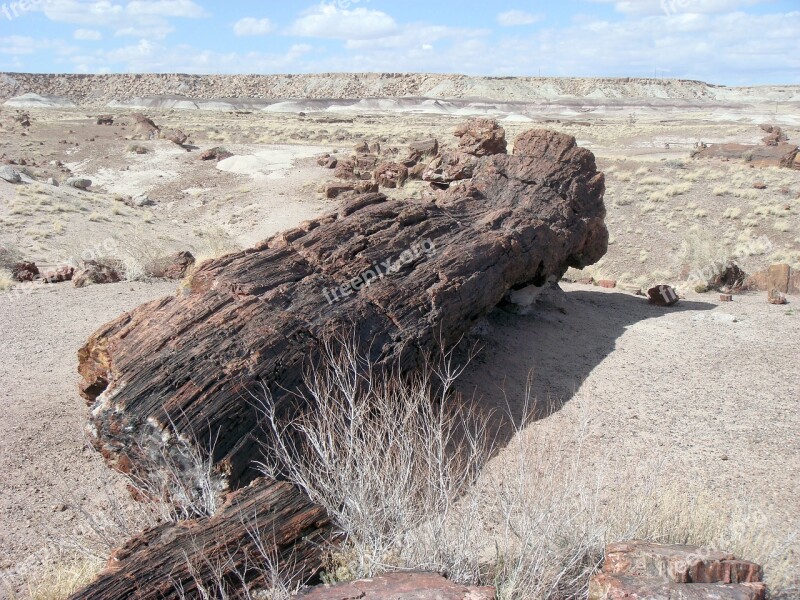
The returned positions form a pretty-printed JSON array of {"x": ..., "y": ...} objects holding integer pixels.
[
  {"x": 253, "y": 26},
  {"x": 18, "y": 44},
  {"x": 87, "y": 34},
  {"x": 166, "y": 8},
  {"x": 329, "y": 21},
  {"x": 141, "y": 18},
  {"x": 674, "y": 7},
  {"x": 513, "y": 18}
]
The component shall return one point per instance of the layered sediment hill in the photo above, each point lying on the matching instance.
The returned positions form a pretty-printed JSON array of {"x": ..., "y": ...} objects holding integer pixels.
[{"x": 101, "y": 89}]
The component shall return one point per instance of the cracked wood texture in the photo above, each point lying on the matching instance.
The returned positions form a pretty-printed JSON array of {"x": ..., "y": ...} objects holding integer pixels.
[
  {"x": 187, "y": 367},
  {"x": 167, "y": 562}
]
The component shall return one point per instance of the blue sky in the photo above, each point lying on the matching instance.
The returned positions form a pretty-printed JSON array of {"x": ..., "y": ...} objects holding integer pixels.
[{"x": 721, "y": 41}]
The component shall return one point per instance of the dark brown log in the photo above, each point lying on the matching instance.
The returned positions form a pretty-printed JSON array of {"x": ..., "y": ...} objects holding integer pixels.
[
  {"x": 190, "y": 364},
  {"x": 266, "y": 524}
]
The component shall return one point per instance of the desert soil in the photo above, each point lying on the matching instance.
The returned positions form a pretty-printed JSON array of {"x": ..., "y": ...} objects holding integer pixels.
[{"x": 709, "y": 389}]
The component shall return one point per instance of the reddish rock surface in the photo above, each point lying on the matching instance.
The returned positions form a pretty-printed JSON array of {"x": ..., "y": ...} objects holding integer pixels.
[
  {"x": 780, "y": 277},
  {"x": 24, "y": 272},
  {"x": 177, "y": 265},
  {"x": 216, "y": 154},
  {"x": 59, "y": 275},
  {"x": 640, "y": 570},
  {"x": 391, "y": 175},
  {"x": 450, "y": 167},
  {"x": 481, "y": 137},
  {"x": 95, "y": 272},
  {"x": 607, "y": 283},
  {"x": 662, "y": 295},
  {"x": 399, "y": 586}
]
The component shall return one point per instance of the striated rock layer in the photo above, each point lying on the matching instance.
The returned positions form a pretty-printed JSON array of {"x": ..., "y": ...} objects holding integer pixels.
[{"x": 403, "y": 275}]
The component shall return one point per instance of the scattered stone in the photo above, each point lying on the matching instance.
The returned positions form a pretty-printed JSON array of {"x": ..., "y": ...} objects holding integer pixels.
[
  {"x": 176, "y": 136},
  {"x": 334, "y": 190},
  {"x": 391, "y": 175},
  {"x": 145, "y": 128},
  {"x": 375, "y": 148},
  {"x": 725, "y": 298},
  {"x": 345, "y": 169},
  {"x": 779, "y": 277},
  {"x": 450, "y": 167},
  {"x": 177, "y": 265},
  {"x": 776, "y": 297},
  {"x": 759, "y": 185},
  {"x": 730, "y": 278},
  {"x": 105, "y": 120},
  {"x": 422, "y": 148},
  {"x": 395, "y": 586},
  {"x": 481, "y": 137},
  {"x": 362, "y": 148},
  {"x": 365, "y": 187},
  {"x": 137, "y": 149},
  {"x": 78, "y": 183},
  {"x": 607, "y": 283},
  {"x": 139, "y": 201},
  {"x": 24, "y": 271},
  {"x": 216, "y": 154},
  {"x": 641, "y": 570},
  {"x": 97, "y": 272},
  {"x": 9, "y": 174},
  {"x": 52, "y": 181},
  {"x": 663, "y": 295},
  {"x": 327, "y": 161},
  {"x": 59, "y": 275}
]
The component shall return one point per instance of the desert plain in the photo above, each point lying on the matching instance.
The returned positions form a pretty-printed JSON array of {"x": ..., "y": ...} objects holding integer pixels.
[{"x": 700, "y": 399}]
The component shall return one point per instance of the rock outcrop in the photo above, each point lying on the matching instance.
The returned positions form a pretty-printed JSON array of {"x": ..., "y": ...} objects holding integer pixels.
[
  {"x": 403, "y": 275},
  {"x": 639, "y": 570}
]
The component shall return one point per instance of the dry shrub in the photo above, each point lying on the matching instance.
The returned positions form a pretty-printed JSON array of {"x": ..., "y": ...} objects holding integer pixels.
[
  {"x": 409, "y": 477},
  {"x": 6, "y": 280},
  {"x": 63, "y": 579}
]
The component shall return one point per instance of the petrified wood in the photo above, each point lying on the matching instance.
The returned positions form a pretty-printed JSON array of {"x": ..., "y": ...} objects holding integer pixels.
[
  {"x": 403, "y": 275},
  {"x": 262, "y": 527}
]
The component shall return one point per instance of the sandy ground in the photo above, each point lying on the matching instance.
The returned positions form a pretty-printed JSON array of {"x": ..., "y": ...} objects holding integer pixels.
[{"x": 712, "y": 390}]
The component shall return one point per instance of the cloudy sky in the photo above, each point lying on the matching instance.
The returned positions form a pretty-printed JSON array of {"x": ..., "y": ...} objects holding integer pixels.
[{"x": 721, "y": 41}]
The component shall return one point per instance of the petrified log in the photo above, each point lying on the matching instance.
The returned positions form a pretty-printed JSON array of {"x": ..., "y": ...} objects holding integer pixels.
[
  {"x": 265, "y": 525},
  {"x": 402, "y": 275}
]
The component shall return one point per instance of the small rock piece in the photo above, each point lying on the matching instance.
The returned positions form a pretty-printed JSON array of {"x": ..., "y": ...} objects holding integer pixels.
[
  {"x": 10, "y": 175},
  {"x": 216, "y": 154},
  {"x": 178, "y": 265},
  {"x": 663, "y": 295},
  {"x": 481, "y": 137},
  {"x": 607, "y": 283},
  {"x": 78, "y": 183},
  {"x": 96, "y": 272},
  {"x": 105, "y": 120},
  {"x": 725, "y": 298},
  {"x": 776, "y": 297},
  {"x": 391, "y": 175},
  {"x": 334, "y": 190},
  {"x": 24, "y": 271},
  {"x": 59, "y": 275}
]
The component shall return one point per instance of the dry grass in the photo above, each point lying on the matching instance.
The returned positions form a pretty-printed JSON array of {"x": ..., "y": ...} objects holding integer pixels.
[
  {"x": 63, "y": 579},
  {"x": 409, "y": 478},
  {"x": 6, "y": 280}
]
